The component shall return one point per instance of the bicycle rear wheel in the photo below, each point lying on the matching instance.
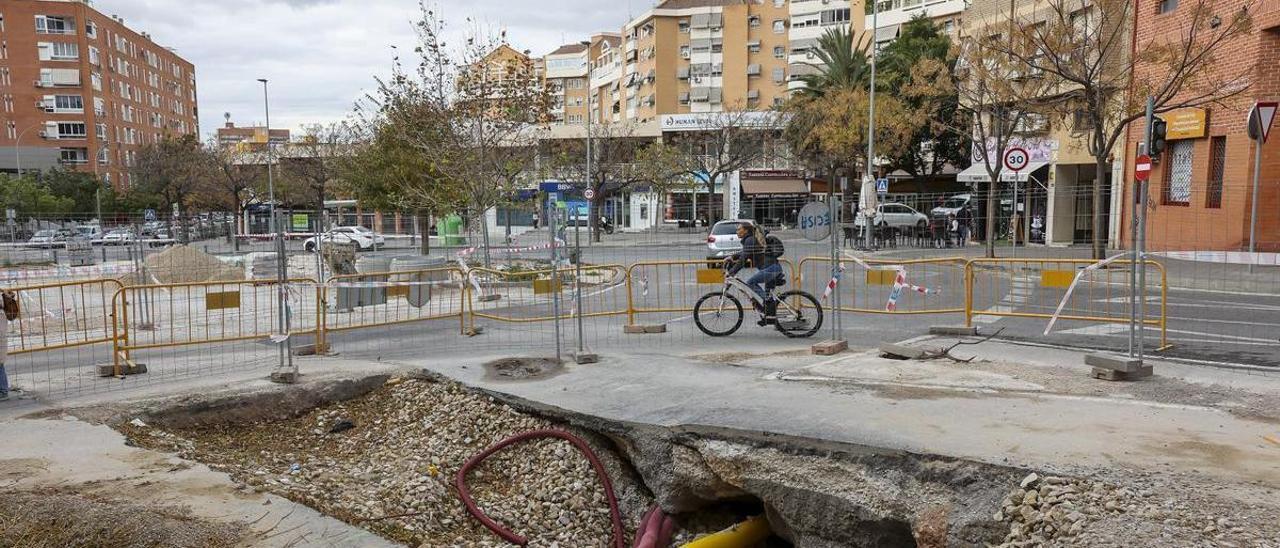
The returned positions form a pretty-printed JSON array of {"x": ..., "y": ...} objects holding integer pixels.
[
  {"x": 718, "y": 314},
  {"x": 799, "y": 314}
]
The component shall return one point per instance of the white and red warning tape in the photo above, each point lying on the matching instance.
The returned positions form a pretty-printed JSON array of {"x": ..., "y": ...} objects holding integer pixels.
[{"x": 899, "y": 284}]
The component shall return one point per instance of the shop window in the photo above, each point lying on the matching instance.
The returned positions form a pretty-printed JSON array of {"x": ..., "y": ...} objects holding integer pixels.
[{"x": 1217, "y": 164}]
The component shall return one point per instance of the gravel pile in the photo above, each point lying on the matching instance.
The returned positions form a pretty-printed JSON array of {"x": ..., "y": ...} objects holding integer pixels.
[
  {"x": 396, "y": 451},
  {"x": 1056, "y": 511},
  {"x": 184, "y": 264},
  {"x": 58, "y": 519}
]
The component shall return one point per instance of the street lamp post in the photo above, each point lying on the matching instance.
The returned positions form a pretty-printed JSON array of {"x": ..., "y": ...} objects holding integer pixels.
[{"x": 17, "y": 147}]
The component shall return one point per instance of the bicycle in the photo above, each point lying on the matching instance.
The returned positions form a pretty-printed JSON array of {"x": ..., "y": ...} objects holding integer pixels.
[{"x": 798, "y": 315}]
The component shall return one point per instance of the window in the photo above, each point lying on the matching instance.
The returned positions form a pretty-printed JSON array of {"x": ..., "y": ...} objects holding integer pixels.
[
  {"x": 949, "y": 26},
  {"x": 1167, "y": 6},
  {"x": 779, "y": 52},
  {"x": 1177, "y": 173},
  {"x": 832, "y": 17},
  {"x": 777, "y": 102},
  {"x": 779, "y": 76},
  {"x": 753, "y": 47},
  {"x": 48, "y": 24},
  {"x": 71, "y": 130},
  {"x": 779, "y": 26},
  {"x": 95, "y": 80},
  {"x": 65, "y": 51},
  {"x": 103, "y": 158},
  {"x": 684, "y": 52},
  {"x": 684, "y": 26},
  {"x": 91, "y": 29},
  {"x": 101, "y": 131},
  {"x": 779, "y": 3},
  {"x": 68, "y": 104},
  {"x": 1217, "y": 164},
  {"x": 74, "y": 155},
  {"x": 753, "y": 21}
]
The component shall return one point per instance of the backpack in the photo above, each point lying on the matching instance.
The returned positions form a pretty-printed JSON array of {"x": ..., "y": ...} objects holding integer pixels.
[{"x": 773, "y": 246}]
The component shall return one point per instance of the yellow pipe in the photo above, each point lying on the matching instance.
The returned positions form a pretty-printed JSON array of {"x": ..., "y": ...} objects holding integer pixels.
[{"x": 747, "y": 533}]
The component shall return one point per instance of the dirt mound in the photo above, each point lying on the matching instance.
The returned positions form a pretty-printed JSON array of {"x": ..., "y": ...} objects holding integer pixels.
[
  {"x": 57, "y": 519},
  {"x": 183, "y": 264}
]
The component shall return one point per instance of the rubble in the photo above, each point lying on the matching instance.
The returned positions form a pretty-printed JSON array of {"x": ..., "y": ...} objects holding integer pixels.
[{"x": 184, "y": 264}]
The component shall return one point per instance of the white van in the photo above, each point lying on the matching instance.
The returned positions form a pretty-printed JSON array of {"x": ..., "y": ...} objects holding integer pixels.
[{"x": 951, "y": 206}]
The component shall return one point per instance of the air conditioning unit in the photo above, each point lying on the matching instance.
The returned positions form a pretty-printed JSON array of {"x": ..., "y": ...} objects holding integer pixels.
[{"x": 40, "y": 83}]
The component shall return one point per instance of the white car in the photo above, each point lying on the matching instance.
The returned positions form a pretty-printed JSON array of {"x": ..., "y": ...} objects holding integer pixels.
[
  {"x": 363, "y": 238},
  {"x": 895, "y": 216},
  {"x": 50, "y": 238},
  {"x": 952, "y": 206},
  {"x": 119, "y": 236},
  {"x": 723, "y": 239}
]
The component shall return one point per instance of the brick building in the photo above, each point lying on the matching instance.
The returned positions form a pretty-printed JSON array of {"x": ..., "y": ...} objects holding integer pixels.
[
  {"x": 1201, "y": 189},
  {"x": 79, "y": 82},
  {"x": 252, "y": 138}
]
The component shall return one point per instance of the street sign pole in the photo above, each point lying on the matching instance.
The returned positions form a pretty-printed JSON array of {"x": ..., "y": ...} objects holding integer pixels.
[
  {"x": 1259, "y": 126},
  {"x": 1016, "y": 159}
]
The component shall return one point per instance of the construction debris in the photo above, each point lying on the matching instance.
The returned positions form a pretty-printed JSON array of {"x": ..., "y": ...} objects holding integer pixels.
[{"x": 184, "y": 264}]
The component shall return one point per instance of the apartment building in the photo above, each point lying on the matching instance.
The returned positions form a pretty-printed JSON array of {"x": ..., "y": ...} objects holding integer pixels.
[
  {"x": 566, "y": 82},
  {"x": 809, "y": 20},
  {"x": 892, "y": 14},
  {"x": 604, "y": 54},
  {"x": 1201, "y": 189},
  {"x": 81, "y": 82}
]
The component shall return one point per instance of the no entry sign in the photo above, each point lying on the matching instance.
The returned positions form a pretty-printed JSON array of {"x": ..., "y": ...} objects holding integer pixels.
[{"x": 1142, "y": 167}]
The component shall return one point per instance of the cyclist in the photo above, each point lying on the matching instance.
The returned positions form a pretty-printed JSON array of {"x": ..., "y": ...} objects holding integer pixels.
[{"x": 763, "y": 250}]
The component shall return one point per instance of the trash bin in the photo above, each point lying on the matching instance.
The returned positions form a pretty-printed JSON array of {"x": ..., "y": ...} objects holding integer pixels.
[{"x": 452, "y": 231}]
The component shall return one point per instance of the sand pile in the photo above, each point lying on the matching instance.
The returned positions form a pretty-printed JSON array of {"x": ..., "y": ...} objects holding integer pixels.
[{"x": 183, "y": 264}]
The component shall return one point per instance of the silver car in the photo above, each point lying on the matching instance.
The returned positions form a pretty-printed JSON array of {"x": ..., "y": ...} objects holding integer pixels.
[{"x": 723, "y": 241}]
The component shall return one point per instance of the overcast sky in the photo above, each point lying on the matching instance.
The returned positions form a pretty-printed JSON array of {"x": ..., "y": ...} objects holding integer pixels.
[{"x": 321, "y": 55}]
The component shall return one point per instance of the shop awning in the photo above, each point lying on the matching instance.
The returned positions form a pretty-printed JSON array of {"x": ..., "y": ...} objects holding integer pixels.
[
  {"x": 774, "y": 186},
  {"x": 977, "y": 173}
]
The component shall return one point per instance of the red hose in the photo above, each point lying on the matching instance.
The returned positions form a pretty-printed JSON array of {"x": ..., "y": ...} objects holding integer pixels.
[{"x": 460, "y": 482}]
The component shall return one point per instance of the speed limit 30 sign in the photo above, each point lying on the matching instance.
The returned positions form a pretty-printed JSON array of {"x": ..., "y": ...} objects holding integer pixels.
[{"x": 1016, "y": 159}]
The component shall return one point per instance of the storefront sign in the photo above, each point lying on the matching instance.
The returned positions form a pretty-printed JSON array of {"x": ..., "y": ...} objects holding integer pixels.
[
  {"x": 1186, "y": 123},
  {"x": 716, "y": 120},
  {"x": 300, "y": 222}
]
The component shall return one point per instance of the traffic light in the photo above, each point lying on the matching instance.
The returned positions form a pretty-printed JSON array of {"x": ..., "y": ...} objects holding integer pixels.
[{"x": 1158, "y": 141}]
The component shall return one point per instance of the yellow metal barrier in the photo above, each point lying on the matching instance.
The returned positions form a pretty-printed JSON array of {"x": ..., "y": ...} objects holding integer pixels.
[
  {"x": 676, "y": 286},
  {"x": 526, "y": 296},
  {"x": 867, "y": 291},
  {"x": 374, "y": 299},
  {"x": 174, "y": 315},
  {"x": 63, "y": 315},
  {"x": 1034, "y": 288}
]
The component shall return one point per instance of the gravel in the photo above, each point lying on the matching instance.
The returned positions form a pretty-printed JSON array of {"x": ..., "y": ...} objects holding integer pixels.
[
  {"x": 1139, "y": 510},
  {"x": 396, "y": 450},
  {"x": 63, "y": 518}
]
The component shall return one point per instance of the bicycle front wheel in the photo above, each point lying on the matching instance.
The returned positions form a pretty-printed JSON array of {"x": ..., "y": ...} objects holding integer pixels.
[
  {"x": 718, "y": 314},
  {"x": 799, "y": 314}
]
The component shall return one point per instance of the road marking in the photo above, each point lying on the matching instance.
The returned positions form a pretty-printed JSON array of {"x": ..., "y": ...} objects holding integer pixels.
[{"x": 1114, "y": 329}]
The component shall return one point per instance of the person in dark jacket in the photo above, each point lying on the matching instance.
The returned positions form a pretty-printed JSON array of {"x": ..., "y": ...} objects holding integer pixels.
[{"x": 757, "y": 248}]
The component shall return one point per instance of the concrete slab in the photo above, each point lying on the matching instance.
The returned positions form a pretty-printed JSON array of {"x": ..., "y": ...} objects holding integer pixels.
[
  {"x": 1123, "y": 364},
  {"x": 870, "y": 367}
]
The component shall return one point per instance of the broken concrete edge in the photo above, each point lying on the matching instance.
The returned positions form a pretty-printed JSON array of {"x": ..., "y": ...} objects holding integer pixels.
[
  {"x": 954, "y": 330},
  {"x": 638, "y": 329},
  {"x": 902, "y": 351},
  {"x": 582, "y": 358},
  {"x": 489, "y": 298},
  {"x": 829, "y": 348}
]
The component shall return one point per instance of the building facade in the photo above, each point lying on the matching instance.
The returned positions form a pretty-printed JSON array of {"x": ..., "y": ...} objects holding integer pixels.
[
  {"x": 945, "y": 14},
  {"x": 1201, "y": 189},
  {"x": 250, "y": 138},
  {"x": 75, "y": 80}
]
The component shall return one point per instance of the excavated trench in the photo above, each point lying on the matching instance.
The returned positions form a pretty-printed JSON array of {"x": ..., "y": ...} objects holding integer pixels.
[{"x": 333, "y": 445}]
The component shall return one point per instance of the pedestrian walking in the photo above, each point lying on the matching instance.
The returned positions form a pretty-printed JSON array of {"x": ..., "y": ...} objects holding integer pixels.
[
  {"x": 965, "y": 218},
  {"x": 953, "y": 229},
  {"x": 11, "y": 313}
]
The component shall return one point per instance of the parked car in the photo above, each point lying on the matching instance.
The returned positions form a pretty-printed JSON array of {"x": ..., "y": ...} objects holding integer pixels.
[
  {"x": 50, "y": 238},
  {"x": 895, "y": 216},
  {"x": 363, "y": 238},
  {"x": 120, "y": 236},
  {"x": 723, "y": 240},
  {"x": 161, "y": 238},
  {"x": 951, "y": 206},
  {"x": 93, "y": 233}
]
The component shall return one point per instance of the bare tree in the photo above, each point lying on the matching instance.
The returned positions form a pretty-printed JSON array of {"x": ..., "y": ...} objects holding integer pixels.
[
  {"x": 663, "y": 168},
  {"x": 608, "y": 166},
  {"x": 473, "y": 111},
  {"x": 315, "y": 160},
  {"x": 174, "y": 168},
  {"x": 235, "y": 172},
  {"x": 724, "y": 142},
  {"x": 1086, "y": 48},
  {"x": 1000, "y": 100}
]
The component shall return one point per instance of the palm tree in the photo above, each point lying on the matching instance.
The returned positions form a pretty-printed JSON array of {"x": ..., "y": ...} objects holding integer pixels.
[{"x": 840, "y": 65}]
